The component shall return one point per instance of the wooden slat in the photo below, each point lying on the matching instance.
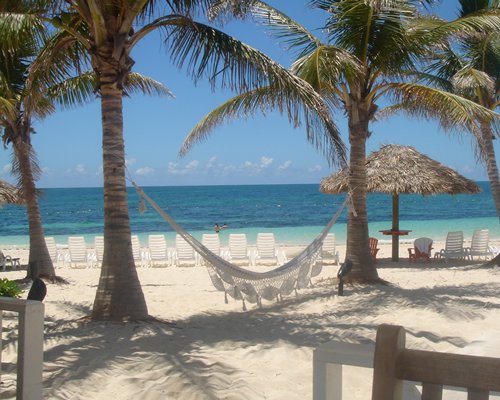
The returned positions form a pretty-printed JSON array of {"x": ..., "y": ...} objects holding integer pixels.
[
  {"x": 449, "y": 369},
  {"x": 477, "y": 394},
  {"x": 432, "y": 391},
  {"x": 390, "y": 341}
]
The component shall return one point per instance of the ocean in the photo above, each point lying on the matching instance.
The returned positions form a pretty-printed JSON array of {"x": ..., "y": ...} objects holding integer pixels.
[{"x": 295, "y": 213}]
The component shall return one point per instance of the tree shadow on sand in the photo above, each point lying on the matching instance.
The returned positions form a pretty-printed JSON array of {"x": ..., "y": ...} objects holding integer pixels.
[{"x": 179, "y": 349}]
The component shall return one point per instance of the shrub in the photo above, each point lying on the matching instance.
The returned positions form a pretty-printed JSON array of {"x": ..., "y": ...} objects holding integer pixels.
[{"x": 9, "y": 288}]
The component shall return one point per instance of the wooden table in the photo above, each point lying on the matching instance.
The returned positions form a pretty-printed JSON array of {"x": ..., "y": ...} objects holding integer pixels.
[{"x": 395, "y": 233}]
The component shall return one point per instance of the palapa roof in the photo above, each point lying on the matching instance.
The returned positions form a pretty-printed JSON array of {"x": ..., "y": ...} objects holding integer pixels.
[
  {"x": 9, "y": 194},
  {"x": 402, "y": 169}
]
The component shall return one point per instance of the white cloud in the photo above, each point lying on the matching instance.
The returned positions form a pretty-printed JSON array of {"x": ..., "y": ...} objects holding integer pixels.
[
  {"x": 129, "y": 162},
  {"x": 265, "y": 161},
  {"x": 7, "y": 168},
  {"x": 192, "y": 165},
  {"x": 211, "y": 162},
  {"x": 285, "y": 166},
  {"x": 316, "y": 168},
  {"x": 80, "y": 169},
  {"x": 176, "y": 169},
  {"x": 144, "y": 171}
]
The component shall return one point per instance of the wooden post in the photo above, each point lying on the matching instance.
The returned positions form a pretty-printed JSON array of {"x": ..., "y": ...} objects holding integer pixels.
[
  {"x": 30, "y": 352},
  {"x": 395, "y": 227},
  {"x": 390, "y": 340}
]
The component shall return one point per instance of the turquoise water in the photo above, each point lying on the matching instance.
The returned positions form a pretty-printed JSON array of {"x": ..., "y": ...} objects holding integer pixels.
[{"x": 295, "y": 213}]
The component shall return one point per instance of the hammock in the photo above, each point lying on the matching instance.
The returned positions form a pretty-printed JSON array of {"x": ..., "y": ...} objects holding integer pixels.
[{"x": 253, "y": 286}]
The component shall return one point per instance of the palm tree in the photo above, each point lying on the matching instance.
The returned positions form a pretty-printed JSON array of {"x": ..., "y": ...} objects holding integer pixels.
[
  {"x": 469, "y": 65},
  {"x": 26, "y": 96},
  {"x": 372, "y": 48},
  {"x": 106, "y": 31},
  {"x": 21, "y": 36}
]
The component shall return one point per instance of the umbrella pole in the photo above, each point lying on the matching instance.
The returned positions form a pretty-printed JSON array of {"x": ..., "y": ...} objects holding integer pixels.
[{"x": 395, "y": 227}]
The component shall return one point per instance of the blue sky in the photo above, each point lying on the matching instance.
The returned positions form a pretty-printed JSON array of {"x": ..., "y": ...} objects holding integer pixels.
[{"x": 261, "y": 150}]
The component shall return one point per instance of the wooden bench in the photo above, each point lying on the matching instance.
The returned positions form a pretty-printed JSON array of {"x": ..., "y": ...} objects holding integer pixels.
[{"x": 394, "y": 363}]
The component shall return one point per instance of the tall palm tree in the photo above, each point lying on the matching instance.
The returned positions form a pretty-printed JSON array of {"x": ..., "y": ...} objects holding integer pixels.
[
  {"x": 26, "y": 97},
  {"x": 20, "y": 37},
  {"x": 470, "y": 66},
  {"x": 372, "y": 48},
  {"x": 106, "y": 31}
]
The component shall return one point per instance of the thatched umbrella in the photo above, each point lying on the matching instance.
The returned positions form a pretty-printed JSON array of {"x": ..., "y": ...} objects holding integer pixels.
[
  {"x": 9, "y": 194},
  {"x": 399, "y": 169}
]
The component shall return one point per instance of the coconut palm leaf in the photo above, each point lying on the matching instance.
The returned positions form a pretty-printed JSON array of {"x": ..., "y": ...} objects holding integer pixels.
[
  {"x": 452, "y": 111},
  {"x": 294, "y": 36},
  {"x": 468, "y": 81},
  {"x": 206, "y": 51},
  {"x": 326, "y": 67},
  {"x": 20, "y": 30},
  {"x": 83, "y": 88},
  {"x": 265, "y": 99}
]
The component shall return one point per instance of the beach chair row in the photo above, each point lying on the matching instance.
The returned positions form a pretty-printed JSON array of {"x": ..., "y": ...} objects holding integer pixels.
[
  {"x": 157, "y": 253},
  {"x": 454, "y": 247}
]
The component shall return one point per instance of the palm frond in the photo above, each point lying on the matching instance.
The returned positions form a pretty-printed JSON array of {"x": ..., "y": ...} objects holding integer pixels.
[
  {"x": 326, "y": 66},
  {"x": 450, "y": 110},
  {"x": 265, "y": 99},
  {"x": 20, "y": 30},
  {"x": 469, "y": 80},
  {"x": 469, "y": 26},
  {"x": 137, "y": 83},
  {"x": 293, "y": 35}
]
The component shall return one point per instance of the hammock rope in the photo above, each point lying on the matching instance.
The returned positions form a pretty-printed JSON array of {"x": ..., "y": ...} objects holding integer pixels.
[{"x": 253, "y": 286}]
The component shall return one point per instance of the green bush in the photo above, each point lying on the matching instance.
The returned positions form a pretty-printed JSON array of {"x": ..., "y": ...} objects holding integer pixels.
[{"x": 9, "y": 288}]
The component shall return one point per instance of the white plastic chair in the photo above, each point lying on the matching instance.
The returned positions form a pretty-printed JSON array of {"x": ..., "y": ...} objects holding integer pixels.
[
  {"x": 479, "y": 244},
  {"x": 78, "y": 253},
  {"x": 158, "y": 251},
  {"x": 238, "y": 248},
  {"x": 99, "y": 250},
  {"x": 184, "y": 253},
  {"x": 212, "y": 242},
  {"x": 329, "y": 253},
  {"x": 139, "y": 257},
  {"x": 266, "y": 249},
  {"x": 50, "y": 242},
  {"x": 454, "y": 246}
]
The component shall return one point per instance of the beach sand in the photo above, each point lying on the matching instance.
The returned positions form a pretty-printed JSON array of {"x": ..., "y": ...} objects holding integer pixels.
[{"x": 202, "y": 348}]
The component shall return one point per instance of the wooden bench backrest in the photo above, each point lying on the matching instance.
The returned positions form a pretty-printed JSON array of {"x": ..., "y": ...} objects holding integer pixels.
[{"x": 393, "y": 363}]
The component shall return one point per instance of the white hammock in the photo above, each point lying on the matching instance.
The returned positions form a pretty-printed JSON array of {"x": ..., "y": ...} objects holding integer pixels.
[{"x": 253, "y": 286}]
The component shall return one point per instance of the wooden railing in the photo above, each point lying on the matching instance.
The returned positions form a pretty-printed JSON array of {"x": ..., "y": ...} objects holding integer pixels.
[
  {"x": 395, "y": 367},
  {"x": 29, "y": 346},
  {"x": 393, "y": 364}
]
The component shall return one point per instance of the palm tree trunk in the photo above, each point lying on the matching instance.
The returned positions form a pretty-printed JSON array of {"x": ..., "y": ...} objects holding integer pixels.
[
  {"x": 39, "y": 257},
  {"x": 488, "y": 152},
  {"x": 119, "y": 294},
  {"x": 358, "y": 248}
]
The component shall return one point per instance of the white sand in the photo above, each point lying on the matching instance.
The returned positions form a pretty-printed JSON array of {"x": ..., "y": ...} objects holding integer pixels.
[{"x": 207, "y": 349}]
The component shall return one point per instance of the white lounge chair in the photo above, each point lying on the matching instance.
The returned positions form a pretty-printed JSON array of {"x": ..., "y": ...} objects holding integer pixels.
[
  {"x": 138, "y": 254},
  {"x": 50, "y": 242},
  {"x": 238, "y": 248},
  {"x": 266, "y": 249},
  {"x": 212, "y": 242},
  {"x": 329, "y": 253},
  {"x": 8, "y": 260},
  {"x": 158, "y": 251},
  {"x": 99, "y": 250},
  {"x": 78, "y": 253},
  {"x": 479, "y": 244},
  {"x": 454, "y": 246},
  {"x": 184, "y": 254}
]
